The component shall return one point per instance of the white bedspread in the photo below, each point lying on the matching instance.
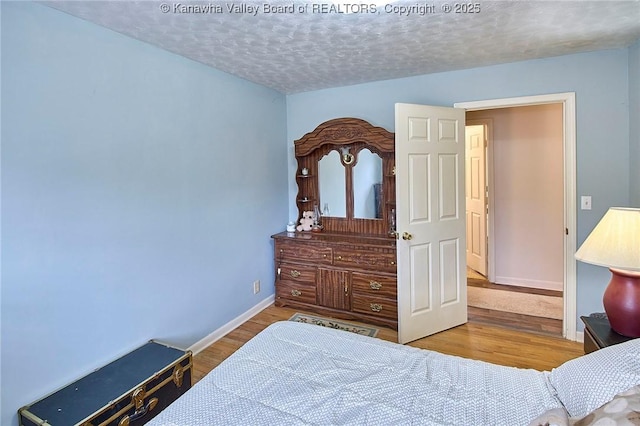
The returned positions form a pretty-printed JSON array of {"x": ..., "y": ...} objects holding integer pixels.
[{"x": 299, "y": 374}]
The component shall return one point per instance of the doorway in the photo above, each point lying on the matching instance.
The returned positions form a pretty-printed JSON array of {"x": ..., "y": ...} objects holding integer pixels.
[
  {"x": 503, "y": 265},
  {"x": 476, "y": 195}
]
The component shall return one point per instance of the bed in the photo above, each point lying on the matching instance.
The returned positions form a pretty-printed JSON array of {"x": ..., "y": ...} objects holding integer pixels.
[{"x": 301, "y": 374}]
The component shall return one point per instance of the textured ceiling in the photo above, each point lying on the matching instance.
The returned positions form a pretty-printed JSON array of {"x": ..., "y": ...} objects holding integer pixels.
[{"x": 317, "y": 45}]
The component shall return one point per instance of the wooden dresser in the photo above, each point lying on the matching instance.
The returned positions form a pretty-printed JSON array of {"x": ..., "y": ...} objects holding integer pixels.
[
  {"x": 348, "y": 269},
  {"x": 339, "y": 275}
]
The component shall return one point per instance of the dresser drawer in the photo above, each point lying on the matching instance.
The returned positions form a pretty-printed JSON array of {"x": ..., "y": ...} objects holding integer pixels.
[
  {"x": 296, "y": 292},
  {"x": 382, "y": 307},
  {"x": 299, "y": 273},
  {"x": 374, "y": 285},
  {"x": 310, "y": 253},
  {"x": 380, "y": 261}
]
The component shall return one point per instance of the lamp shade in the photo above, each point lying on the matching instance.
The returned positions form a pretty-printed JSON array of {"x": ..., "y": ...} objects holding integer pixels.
[{"x": 615, "y": 241}]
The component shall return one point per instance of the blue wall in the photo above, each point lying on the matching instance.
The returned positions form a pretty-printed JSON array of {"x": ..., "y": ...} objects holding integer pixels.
[
  {"x": 600, "y": 81},
  {"x": 634, "y": 122},
  {"x": 139, "y": 193},
  {"x": 139, "y": 189}
]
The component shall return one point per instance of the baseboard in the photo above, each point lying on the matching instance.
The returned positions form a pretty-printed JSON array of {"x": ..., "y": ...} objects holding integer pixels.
[
  {"x": 580, "y": 336},
  {"x": 231, "y": 325},
  {"x": 524, "y": 282}
]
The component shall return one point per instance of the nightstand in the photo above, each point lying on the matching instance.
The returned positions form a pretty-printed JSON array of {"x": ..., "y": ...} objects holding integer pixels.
[{"x": 598, "y": 334}]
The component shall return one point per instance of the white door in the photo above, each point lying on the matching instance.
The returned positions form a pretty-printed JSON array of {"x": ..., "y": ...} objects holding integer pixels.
[
  {"x": 476, "y": 212},
  {"x": 432, "y": 291}
]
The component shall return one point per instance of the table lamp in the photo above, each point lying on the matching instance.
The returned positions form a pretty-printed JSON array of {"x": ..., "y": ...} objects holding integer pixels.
[{"x": 615, "y": 243}]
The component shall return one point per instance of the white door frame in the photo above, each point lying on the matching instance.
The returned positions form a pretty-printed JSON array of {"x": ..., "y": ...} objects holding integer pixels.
[{"x": 568, "y": 100}]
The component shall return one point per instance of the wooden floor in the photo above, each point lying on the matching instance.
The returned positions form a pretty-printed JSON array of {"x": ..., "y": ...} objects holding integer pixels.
[
  {"x": 552, "y": 327},
  {"x": 520, "y": 322},
  {"x": 472, "y": 340}
]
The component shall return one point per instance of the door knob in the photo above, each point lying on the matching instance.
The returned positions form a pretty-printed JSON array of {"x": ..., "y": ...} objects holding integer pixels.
[{"x": 406, "y": 236}]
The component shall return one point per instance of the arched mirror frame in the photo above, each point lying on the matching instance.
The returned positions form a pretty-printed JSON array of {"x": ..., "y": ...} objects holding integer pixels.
[{"x": 336, "y": 134}]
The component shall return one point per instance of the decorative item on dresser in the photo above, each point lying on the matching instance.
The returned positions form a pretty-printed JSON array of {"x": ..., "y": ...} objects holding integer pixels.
[
  {"x": 349, "y": 269},
  {"x": 126, "y": 392}
]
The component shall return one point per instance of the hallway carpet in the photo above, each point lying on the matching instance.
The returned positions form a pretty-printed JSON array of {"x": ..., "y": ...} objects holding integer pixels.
[{"x": 522, "y": 303}]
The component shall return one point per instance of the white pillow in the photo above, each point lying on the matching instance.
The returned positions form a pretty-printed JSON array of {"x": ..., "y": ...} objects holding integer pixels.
[{"x": 586, "y": 383}]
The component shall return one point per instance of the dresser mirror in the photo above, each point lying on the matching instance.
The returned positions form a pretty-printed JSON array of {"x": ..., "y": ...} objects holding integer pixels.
[
  {"x": 348, "y": 174},
  {"x": 367, "y": 184},
  {"x": 332, "y": 181}
]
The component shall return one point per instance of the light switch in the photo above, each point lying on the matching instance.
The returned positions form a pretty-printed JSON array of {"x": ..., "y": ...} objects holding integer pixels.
[{"x": 585, "y": 202}]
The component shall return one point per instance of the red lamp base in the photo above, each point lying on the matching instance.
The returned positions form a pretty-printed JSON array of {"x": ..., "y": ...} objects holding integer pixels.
[{"x": 622, "y": 302}]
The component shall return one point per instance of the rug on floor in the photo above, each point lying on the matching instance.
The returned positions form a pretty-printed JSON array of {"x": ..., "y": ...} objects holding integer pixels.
[{"x": 332, "y": 323}]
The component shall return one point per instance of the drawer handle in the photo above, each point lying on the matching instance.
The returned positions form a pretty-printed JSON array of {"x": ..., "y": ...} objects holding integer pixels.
[
  {"x": 375, "y": 285},
  {"x": 376, "y": 307},
  {"x": 393, "y": 262},
  {"x": 137, "y": 398},
  {"x": 296, "y": 293},
  {"x": 126, "y": 420},
  {"x": 339, "y": 258},
  {"x": 178, "y": 375},
  {"x": 295, "y": 273}
]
